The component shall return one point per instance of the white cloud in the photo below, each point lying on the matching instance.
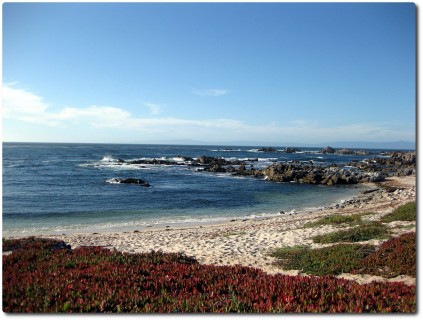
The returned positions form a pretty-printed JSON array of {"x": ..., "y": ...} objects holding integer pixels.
[
  {"x": 96, "y": 116},
  {"x": 210, "y": 92},
  {"x": 21, "y": 102},
  {"x": 28, "y": 107}
]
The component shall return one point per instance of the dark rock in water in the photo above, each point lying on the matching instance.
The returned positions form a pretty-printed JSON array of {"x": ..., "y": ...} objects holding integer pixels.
[
  {"x": 328, "y": 150},
  {"x": 349, "y": 151},
  {"x": 267, "y": 149},
  {"x": 291, "y": 150},
  {"x": 135, "y": 181},
  {"x": 154, "y": 161},
  {"x": 368, "y": 170},
  {"x": 230, "y": 169},
  {"x": 215, "y": 168},
  {"x": 241, "y": 168},
  {"x": 129, "y": 181},
  {"x": 205, "y": 160}
]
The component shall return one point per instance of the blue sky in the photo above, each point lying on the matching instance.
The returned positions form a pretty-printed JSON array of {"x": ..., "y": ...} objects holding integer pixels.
[{"x": 212, "y": 72}]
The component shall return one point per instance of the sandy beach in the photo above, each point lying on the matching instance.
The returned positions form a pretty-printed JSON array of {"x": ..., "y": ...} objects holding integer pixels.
[{"x": 247, "y": 242}]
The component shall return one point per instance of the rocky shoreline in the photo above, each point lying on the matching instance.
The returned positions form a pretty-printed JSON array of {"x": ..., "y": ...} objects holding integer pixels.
[
  {"x": 374, "y": 169},
  {"x": 370, "y": 170}
]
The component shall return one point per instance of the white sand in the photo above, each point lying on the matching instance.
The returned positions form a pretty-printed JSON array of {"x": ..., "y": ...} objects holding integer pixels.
[{"x": 248, "y": 242}]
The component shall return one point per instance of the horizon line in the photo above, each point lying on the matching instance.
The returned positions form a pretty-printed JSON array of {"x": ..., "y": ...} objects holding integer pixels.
[{"x": 245, "y": 144}]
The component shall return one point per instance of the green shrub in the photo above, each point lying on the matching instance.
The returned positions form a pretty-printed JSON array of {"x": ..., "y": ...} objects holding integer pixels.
[
  {"x": 334, "y": 220},
  {"x": 330, "y": 260},
  {"x": 361, "y": 233},
  {"x": 406, "y": 212}
]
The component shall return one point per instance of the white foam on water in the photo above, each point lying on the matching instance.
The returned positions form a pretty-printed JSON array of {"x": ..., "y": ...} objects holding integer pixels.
[
  {"x": 227, "y": 150},
  {"x": 108, "y": 159}
]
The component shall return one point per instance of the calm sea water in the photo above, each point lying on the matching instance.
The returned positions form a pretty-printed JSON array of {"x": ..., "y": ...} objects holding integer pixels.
[{"x": 62, "y": 188}]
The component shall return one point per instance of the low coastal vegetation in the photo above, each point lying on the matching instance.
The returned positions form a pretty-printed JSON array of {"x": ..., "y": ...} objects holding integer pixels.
[
  {"x": 340, "y": 258},
  {"x": 394, "y": 257},
  {"x": 41, "y": 275},
  {"x": 44, "y": 275},
  {"x": 339, "y": 219},
  {"x": 334, "y": 220},
  {"x": 406, "y": 212},
  {"x": 365, "y": 232}
]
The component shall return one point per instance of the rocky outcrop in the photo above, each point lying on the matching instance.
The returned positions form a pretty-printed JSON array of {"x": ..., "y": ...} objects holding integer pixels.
[
  {"x": 397, "y": 164},
  {"x": 286, "y": 150},
  {"x": 369, "y": 170},
  {"x": 153, "y": 161},
  {"x": 319, "y": 175},
  {"x": 352, "y": 152},
  {"x": 373, "y": 170},
  {"x": 330, "y": 150},
  {"x": 291, "y": 150},
  {"x": 213, "y": 164},
  {"x": 267, "y": 149}
]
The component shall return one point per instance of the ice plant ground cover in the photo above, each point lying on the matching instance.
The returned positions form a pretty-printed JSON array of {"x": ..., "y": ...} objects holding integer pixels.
[
  {"x": 396, "y": 256},
  {"x": 47, "y": 276}
]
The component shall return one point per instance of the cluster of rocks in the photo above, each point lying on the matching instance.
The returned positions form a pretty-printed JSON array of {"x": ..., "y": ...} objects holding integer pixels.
[
  {"x": 213, "y": 161},
  {"x": 285, "y": 150},
  {"x": 213, "y": 164},
  {"x": 372, "y": 170},
  {"x": 397, "y": 164},
  {"x": 201, "y": 161},
  {"x": 319, "y": 175},
  {"x": 330, "y": 150},
  {"x": 156, "y": 161},
  {"x": 368, "y": 196},
  {"x": 327, "y": 150}
]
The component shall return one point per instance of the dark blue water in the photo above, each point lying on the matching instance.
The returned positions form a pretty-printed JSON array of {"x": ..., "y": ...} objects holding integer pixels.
[{"x": 61, "y": 188}]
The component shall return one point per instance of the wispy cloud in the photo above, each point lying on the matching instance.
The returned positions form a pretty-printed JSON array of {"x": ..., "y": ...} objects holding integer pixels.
[
  {"x": 28, "y": 107},
  {"x": 210, "y": 92},
  {"x": 155, "y": 109}
]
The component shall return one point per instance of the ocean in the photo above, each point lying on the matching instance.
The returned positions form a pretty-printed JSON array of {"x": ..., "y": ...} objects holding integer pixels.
[{"x": 65, "y": 188}]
